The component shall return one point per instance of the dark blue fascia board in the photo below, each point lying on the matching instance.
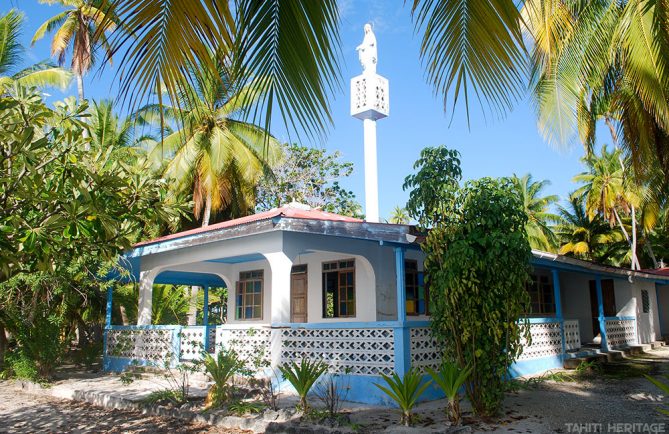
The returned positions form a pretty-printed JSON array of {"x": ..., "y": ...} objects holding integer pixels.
[{"x": 561, "y": 266}]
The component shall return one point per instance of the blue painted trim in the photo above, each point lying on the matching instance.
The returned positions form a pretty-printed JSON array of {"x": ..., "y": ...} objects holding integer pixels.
[
  {"x": 402, "y": 350},
  {"x": 400, "y": 285},
  {"x": 556, "y": 264},
  {"x": 336, "y": 325},
  {"x": 625, "y": 318},
  {"x": 418, "y": 323},
  {"x": 659, "y": 309},
  {"x": 205, "y": 318},
  {"x": 558, "y": 307},
  {"x": 119, "y": 364},
  {"x": 534, "y": 366},
  {"x": 176, "y": 346},
  {"x": 143, "y": 327},
  {"x": 108, "y": 315},
  {"x": 545, "y": 320},
  {"x": 600, "y": 308}
]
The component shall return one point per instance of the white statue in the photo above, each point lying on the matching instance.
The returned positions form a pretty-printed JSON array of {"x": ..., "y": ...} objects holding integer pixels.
[{"x": 367, "y": 51}]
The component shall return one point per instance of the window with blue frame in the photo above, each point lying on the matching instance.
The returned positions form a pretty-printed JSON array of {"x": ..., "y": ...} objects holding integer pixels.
[
  {"x": 416, "y": 292},
  {"x": 249, "y": 295}
]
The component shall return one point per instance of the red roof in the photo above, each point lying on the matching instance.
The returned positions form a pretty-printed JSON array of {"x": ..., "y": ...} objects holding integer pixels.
[
  {"x": 285, "y": 211},
  {"x": 661, "y": 271}
]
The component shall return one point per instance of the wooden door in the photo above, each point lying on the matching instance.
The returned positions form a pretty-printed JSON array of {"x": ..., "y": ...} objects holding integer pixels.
[
  {"x": 298, "y": 294},
  {"x": 609, "y": 299}
]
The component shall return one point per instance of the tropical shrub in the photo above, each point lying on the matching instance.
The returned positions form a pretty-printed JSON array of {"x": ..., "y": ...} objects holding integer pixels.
[
  {"x": 222, "y": 370},
  {"x": 302, "y": 377},
  {"x": 333, "y": 391},
  {"x": 450, "y": 378},
  {"x": 405, "y": 391},
  {"x": 477, "y": 263}
]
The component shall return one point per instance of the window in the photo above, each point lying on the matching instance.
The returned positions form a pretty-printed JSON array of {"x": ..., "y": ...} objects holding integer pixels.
[
  {"x": 339, "y": 289},
  {"x": 249, "y": 295},
  {"x": 416, "y": 293},
  {"x": 542, "y": 297},
  {"x": 645, "y": 301}
]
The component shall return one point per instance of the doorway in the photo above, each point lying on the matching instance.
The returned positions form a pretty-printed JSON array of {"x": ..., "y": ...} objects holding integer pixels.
[
  {"x": 298, "y": 293},
  {"x": 609, "y": 299}
]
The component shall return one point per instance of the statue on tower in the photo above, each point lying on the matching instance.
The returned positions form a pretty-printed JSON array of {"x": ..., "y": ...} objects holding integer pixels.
[{"x": 367, "y": 51}]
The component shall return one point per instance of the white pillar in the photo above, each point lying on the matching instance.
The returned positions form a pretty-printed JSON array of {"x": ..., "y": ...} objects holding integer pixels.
[
  {"x": 280, "y": 266},
  {"x": 371, "y": 173},
  {"x": 144, "y": 309}
]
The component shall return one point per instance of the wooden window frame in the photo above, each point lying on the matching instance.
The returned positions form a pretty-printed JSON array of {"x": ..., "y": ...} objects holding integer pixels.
[
  {"x": 415, "y": 286},
  {"x": 340, "y": 272},
  {"x": 244, "y": 278},
  {"x": 540, "y": 295},
  {"x": 645, "y": 301}
]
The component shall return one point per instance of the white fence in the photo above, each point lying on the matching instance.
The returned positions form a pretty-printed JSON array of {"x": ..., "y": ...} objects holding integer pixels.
[{"x": 572, "y": 335}]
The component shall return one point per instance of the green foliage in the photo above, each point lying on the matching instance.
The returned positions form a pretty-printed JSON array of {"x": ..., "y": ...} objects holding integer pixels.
[
  {"x": 664, "y": 387},
  {"x": 310, "y": 176},
  {"x": 405, "y": 391},
  {"x": 434, "y": 186},
  {"x": 21, "y": 366},
  {"x": 241, "y": 408},
  {"x": 222, "y": 370},
  {"x": 477, "y": 265},
  {"x": 163, "y": 396},
  {"x": 302, "y": 377},
  {"x": 450, "y": 378},
  {"x": 539, "y": 218}
]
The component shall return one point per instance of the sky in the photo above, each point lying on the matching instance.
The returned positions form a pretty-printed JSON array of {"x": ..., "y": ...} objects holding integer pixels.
[{"x": 488, "y": 147}]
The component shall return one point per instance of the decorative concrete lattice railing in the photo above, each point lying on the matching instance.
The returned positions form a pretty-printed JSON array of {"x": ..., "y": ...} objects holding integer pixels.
[
  {"x": 192, "y": 341},
  {"x": 154, "y": 344},
  {"x": 546, "y": 340},
  {"x": 356, "y": 351},
  {"x": 425, "y": 352},
  {"x": 252, "y": 344},
  {"x": 572, "y": 335},
  {"x": 620, "y": 331}
]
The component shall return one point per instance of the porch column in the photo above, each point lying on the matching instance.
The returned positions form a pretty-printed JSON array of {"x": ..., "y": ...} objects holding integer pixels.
[
  {"x": 659, "y": 310},
  {"x": 600, "y": 309},
  {"x": 279, "y": 289},
  {"x": 108, "y": 315},
  {"x": 402, "y": 335},
  {"x": 144, "y": 309},
  {"x": 558, "y": 307},
  {"x": 205, "y": 318}
]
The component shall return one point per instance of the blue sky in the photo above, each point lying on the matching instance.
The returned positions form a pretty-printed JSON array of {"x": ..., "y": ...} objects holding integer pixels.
[{"x": 490, "y": 147}]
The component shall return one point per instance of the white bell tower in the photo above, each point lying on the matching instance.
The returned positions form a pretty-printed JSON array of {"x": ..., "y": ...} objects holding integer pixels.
[{"x": 369, "y": 103}]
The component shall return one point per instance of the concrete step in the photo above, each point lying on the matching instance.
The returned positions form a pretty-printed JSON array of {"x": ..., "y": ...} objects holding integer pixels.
[
  {"x": 575, "y": 362},
  {"x": 657, "y": 344}
]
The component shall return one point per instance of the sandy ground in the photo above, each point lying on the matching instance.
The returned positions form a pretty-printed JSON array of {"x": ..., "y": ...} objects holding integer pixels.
[
  {"x": 22, "y": 412},
  {"x": 617, "y": 399}
]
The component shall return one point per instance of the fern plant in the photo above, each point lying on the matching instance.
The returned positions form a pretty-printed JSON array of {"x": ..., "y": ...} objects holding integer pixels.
[
  {"x": 405, "y": 392},
  {"x": 450, "y": 379},
  {"x": 664, "y": 387},
  {"x": 222, "y": 369},
  {"x": 302, "y": 377}
]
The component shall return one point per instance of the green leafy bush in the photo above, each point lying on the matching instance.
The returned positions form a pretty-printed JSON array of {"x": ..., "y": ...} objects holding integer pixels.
[
  {"x": 21, "y": 367},
  {"x": 450, "y": 378},
  {"x": 477, "y": 264},
  {"x": 302, "y": 377},
  {"x": 405, "y": 392}
]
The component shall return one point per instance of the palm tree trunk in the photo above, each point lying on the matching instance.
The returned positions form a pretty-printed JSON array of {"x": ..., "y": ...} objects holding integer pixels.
[
  {"x": 206, "y": 215},
  {"x": 649, "y": 249},
  {"x": 124, "y": 315},
  {"x": 80, "y": 87},
  {"x": 627, "y": 238},
  {"x": 192, "y": 304},
  {"x": 634, "y": 257},
  {"x": 3, "y": 345}
]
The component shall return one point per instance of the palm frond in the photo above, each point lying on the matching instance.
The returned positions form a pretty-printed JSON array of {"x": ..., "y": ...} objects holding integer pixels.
[{"x": 10, "y": 48}]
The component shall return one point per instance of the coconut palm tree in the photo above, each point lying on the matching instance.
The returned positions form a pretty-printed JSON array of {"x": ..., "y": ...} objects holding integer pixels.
[
  {"x": 537, "y": 207},
  {"x": 583, "y": 237},
  {"x": 42, "y": 74},
  {"x": 215, "y": 155},
  {"x": 84, "y": 25},
  {"x": 399, "y": 216},
  {"x": 603, "y": 60},
  {"x": 606, "y": 191}
]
